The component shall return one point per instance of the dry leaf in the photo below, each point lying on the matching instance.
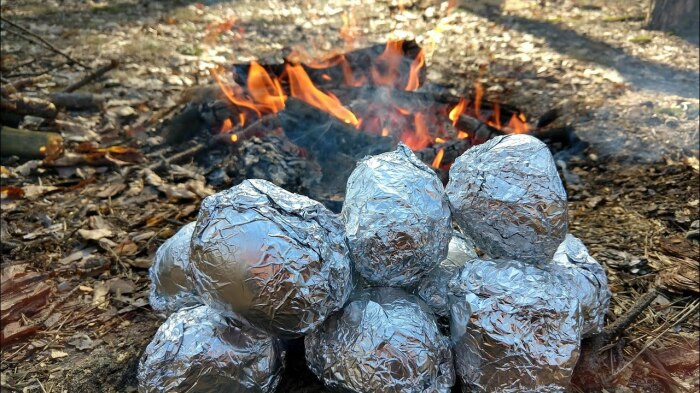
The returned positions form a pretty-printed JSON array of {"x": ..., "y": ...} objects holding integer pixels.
[
  {"x": 56, "y": 354},
  {"x": 94, "y": 234}
]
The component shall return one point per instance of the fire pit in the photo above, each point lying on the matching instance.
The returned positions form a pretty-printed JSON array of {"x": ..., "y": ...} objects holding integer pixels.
[{"x": 305, "y": 123}]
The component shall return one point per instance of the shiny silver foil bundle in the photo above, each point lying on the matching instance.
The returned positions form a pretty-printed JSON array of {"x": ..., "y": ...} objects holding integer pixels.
[
  {"x": 278, "y": 259},
  {"x": 506, "y": 194},
  {"x": 433, "y": 288},
  {"x": 171, "y": 286},
  {"x": 587, "y": 280},
  {"x": 384, "y": 340},
  {"x": 198, "y": 350},
  {"x": 515, "y": 328},
  {"x": 397, "y": 218}
]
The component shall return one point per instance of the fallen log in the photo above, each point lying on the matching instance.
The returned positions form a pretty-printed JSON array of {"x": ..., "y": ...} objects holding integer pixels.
[
  {"x": 31, "y": 106},
  {"x": 76, "y": 101},
  {"x": 28, "y": 144}
]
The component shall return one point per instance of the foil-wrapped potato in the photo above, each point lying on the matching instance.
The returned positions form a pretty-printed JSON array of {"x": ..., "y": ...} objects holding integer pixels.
[
  {"x": 515, "y": 328},
  {"x": 588, "y": 281},
  {"x": 433, "y": 288},
  {"x": 397, "y": 219},
  {"x": 198, "y": 350},
  {"x": 507, "y": 196},
  {"x": 171, "y": 286},
  {"x": 384, "y": 340},
  {"x": 278, "y": 259}
]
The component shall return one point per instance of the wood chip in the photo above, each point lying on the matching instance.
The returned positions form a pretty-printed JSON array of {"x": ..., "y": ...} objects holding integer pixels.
[{"x": 94, "y": 234}]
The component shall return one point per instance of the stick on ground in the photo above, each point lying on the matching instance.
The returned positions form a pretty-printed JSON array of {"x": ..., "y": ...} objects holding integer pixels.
[{"x": 43, "y": 41}]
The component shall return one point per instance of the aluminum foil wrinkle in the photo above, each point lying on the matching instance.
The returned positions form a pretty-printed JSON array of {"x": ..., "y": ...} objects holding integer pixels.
[
  {"x": 278, "y": 259},
  {"x": 515, "y": 328},
  {"x": 171, "y": 287},
  {"x": 588, "y": 281},
  {"x": 397, "y": 219},
  {"x": 198, "y": 350},
  {"x": 433, "y": 288},
  {"x": 506, "y": 194},
  {"x": 384, "y": 340}
]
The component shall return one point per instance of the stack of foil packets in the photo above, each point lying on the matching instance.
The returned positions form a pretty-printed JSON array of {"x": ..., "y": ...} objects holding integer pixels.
[{"x": 370, "y": 290}]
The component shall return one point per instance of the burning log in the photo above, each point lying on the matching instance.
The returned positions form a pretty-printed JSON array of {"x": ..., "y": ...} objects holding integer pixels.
[
  {"x": 451, "y": 150},
  {"x": 381, "y": 64},
  {"x": 28, "y": 144}
]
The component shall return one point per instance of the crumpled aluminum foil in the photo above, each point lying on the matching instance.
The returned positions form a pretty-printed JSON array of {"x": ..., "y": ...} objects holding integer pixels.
[
  {"x": 384, "y": 340},
  {"x": 506, "y": 194},
  {"x": 278, "y": 259},
  {"x": 433, "y": 288},
  {"x": 588, "y": 281},
  {"x": 397, "y": 218},
  {"x": 171, "y": 287},
  {"x": 515, "y": 328},
  {"x": 198, "y": 350}
]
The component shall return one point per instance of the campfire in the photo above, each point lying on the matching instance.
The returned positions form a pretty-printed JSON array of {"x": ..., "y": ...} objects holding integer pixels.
[
  {"x": 323, "y": 115},
  {"x": 296, "y": 197},
  {"x": 283, "y": 264}
]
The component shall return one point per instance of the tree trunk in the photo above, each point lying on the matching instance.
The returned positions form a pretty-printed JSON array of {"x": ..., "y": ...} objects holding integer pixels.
[{"x": 677, "y": 16}]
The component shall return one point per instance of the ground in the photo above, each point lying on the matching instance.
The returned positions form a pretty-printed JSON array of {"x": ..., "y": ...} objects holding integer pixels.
[{"x": 89, "y": 232}]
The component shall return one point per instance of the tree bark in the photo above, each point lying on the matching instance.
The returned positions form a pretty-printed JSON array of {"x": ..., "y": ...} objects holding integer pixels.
[{"x": 677, "y": 16}]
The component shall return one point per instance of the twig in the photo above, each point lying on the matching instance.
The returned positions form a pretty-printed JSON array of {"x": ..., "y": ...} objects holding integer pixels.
[
  {"x": 618, "y": 327},
  {"x": 680, "y": 319},
  {"x": 92, "y": 76},
  {"x": 192, "y": 151},
  {"x": 43, "y": 41}
]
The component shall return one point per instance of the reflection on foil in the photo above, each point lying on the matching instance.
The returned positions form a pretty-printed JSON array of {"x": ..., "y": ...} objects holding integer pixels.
[
  {"x": 515, "y": 328},
  {"x": 384, "y": 340},
  {"x": 397, "y": 219},
  {"x": 433, "y": 288},
  {"x": 198, "y": 350},
  {"x": 278, "y": 259},
  {"x": 171, "y": 286},
  {"x": 588, "y": 281},
  {"x": 506, "y": 194}
]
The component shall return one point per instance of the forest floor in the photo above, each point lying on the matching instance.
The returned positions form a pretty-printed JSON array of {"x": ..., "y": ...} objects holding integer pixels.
[{"x": 84, "y": 235}]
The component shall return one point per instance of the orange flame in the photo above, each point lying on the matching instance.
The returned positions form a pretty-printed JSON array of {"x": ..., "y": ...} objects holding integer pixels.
[
  {"x": 266, "y": 92},
  {"x": 385, "y": 131},
  {"x": 229, "y": 93},
  {"x": 227, "y": 125},
  {"x": 462, "y": 135},
  {"x": 477, "y": 100},
  {"x": 438, "y": 158},
  {"x": 518, "y": 124},
  {"x": 386, "y": 68},
  {"x": 458, "y": 110},
  {"x": 301, "y": 87},
  {"x": 420, "y": 138},
  {"x": 496, "y": 116},
  {"x": 413, "y": 77},
  {"x": 349, "y": 76}
]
